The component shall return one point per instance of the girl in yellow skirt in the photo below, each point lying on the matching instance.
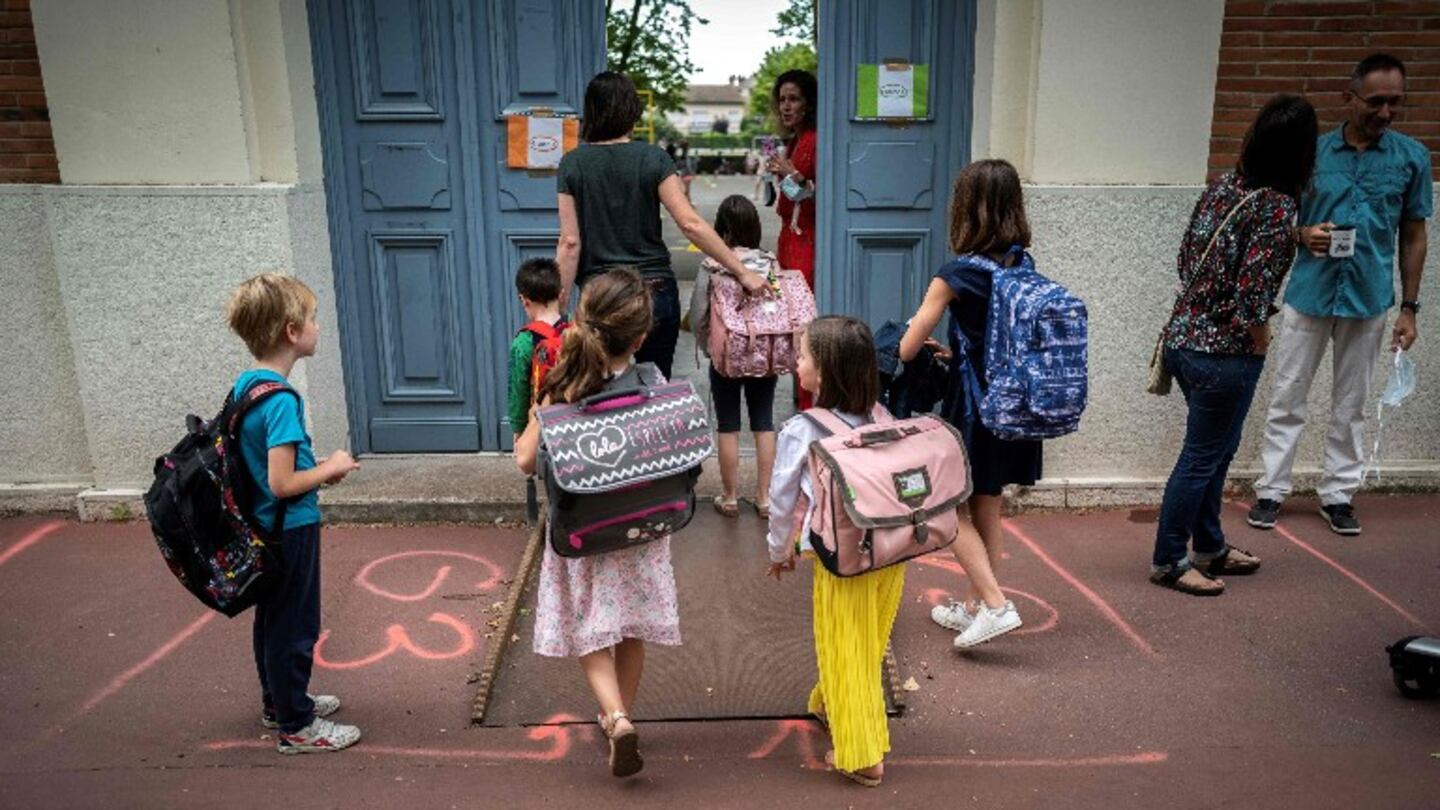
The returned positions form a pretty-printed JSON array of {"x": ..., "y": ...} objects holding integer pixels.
[{"x": 853, "y": 615}]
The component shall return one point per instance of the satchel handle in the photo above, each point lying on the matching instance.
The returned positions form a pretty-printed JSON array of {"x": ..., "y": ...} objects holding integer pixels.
[
  {"x": 885, "y": 436},
  {"x": 595, "y": 401}
]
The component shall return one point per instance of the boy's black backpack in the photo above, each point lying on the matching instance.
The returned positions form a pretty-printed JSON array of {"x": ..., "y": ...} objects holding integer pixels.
[{"x": 200, "y": 510}]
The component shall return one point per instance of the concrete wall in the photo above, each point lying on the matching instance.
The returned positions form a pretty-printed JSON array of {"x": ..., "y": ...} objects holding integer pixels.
[
  {"x": 42, "y": 427},
  {"x": 1100, "y": 91},
  {"x": 1115, "y": 247},
  {"x": 143, "y": 91},
  {"x": 170, "y": 118}
]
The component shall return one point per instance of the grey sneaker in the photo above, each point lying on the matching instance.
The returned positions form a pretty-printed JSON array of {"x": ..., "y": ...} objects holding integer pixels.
[
  {"x": 325, "y": 705},
  {"x": 987, "y": 624},
  {"x": 320, "y": 737},
  {"x": 953, "y": 616},
  {"x": 1342, "y": 518},
  {"x": 1264, "y": 514}
]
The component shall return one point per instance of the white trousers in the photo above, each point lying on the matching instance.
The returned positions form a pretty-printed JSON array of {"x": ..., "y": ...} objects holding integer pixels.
[{"x": 1296, "y": 353}]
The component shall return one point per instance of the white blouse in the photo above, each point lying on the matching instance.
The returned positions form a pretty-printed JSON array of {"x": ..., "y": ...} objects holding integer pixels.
[{"x": 791, "y": 478}]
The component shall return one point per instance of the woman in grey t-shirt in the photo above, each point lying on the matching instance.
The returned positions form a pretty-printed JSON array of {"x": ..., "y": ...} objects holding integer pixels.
[{"x": 610, "y": 192}]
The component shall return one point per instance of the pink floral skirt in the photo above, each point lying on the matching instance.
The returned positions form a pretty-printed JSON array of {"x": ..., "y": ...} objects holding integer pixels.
[{"x": 586, "y": 604}]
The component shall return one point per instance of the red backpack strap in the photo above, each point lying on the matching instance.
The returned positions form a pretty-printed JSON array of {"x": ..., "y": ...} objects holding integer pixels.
[{"x": 542, "y": 330}]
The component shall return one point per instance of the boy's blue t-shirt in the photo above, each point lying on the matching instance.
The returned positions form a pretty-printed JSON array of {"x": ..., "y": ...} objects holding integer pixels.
[{"x": 277, "y": 421}]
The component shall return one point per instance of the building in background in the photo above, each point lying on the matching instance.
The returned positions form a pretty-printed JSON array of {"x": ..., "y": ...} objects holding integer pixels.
[
  {"x": 705, "y": 104},
  {"x": 154, "y": 153}
]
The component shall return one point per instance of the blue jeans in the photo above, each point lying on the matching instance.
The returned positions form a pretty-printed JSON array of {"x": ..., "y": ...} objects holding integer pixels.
[
  {"x": 287, "y": 625},
  {"x": 659, "y": 345},
  {"x": 1218, "y": 389}
]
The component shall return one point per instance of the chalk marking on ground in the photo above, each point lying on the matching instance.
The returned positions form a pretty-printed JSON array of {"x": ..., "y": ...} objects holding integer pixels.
[
  {"x": 363, "y": 577},
  {"x": 1352, "y": 576},
  {"x": 1145, "y": 758},
  {"x": 554, "y": 732},
  {"x": 153, "y": 659},
  {"x": 803, "y": 731},
  {"x": 30, "y": 539},
  {"x": 1094, "y": 598},
  {"x": 398, "y": 638}
]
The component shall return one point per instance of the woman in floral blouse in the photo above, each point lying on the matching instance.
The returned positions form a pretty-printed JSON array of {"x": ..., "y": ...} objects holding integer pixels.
[{"x": 1233, "y": 258}]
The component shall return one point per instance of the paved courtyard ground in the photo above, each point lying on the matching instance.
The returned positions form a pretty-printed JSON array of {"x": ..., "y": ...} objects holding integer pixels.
[{"x": 118, "y": 690}]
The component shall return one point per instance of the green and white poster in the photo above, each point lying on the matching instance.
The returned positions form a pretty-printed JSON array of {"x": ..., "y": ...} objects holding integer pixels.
[{"x": 893, "y": 91}]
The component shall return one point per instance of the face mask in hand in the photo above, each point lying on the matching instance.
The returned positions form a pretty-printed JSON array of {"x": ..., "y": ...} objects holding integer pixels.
[
  {"x": 792, "y": 189},
  {"x": 1401, "y": 383}
]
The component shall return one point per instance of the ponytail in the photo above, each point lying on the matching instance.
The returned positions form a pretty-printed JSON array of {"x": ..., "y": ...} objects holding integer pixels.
[
  {"x": 614, "y": 315},
  {"x": 582, "y": 367}
]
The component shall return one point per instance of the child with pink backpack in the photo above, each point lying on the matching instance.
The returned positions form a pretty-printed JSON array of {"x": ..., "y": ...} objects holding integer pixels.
[
  {"x": 750, "y": 341},
  {"x": 860, "y": 493}
]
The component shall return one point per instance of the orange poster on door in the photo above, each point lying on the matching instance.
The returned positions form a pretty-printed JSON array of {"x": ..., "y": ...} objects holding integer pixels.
[{"x": 535, "y": 142}]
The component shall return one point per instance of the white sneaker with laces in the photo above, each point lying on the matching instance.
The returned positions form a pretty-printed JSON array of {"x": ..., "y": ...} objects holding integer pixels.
[
  {"x": 954, "y": 616},
  {"x": 987, "y": 624},
  {"x": 320, "y": 737},
  {"x": 325, "y": 705}
]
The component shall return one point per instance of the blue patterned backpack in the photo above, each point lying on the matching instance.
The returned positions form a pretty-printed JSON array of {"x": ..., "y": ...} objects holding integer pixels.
[{"x": 1035, "y": 352}]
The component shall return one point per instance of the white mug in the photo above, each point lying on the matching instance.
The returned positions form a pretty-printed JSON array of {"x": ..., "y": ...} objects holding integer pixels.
[{"x": 1342, "y": 241}]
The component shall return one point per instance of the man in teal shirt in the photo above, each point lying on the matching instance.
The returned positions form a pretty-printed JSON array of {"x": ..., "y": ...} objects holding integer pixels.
[{"x": 1377, "y": 182}]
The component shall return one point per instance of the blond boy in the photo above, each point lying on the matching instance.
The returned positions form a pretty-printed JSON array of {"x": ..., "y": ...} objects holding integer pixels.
[{"x": 275, "y": 316}]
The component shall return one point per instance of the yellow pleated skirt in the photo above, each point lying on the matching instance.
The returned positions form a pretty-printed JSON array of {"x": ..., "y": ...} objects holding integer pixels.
[{"x": 853, "y": 617}]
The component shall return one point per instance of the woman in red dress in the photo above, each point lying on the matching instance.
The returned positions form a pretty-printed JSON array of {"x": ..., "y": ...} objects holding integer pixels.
[{"x": 794, "y": 97}]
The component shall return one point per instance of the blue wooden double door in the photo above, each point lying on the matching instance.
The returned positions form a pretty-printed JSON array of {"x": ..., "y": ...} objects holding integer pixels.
[{"x": 428, "y": 224}]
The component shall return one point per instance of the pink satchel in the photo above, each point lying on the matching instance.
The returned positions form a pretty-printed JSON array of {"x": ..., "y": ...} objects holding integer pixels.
[
  {"x": 756, "y": 335},
  {"x": 886, "y": 491}
]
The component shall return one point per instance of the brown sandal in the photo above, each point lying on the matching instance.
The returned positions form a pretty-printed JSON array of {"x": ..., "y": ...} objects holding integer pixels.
[
  {"x": 625, "y": 759},
  {"x": 1235, "y": 561},
  {"x": 854, "y": 776},
  {"x": 1188, "y": 580},
  {"x": 761, "y": 509},
  {"x": 727, "y": 508}
]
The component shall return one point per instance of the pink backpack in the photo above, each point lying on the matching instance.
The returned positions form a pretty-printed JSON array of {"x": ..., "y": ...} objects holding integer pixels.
[
  {"x": 885, "y": 491},
  {"x": 752, "y": 335}
]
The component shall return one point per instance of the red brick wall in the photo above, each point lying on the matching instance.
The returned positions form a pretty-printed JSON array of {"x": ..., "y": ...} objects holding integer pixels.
[
  {"x": 1276, "y": 46},
  {"x": 27, "y": 153}
]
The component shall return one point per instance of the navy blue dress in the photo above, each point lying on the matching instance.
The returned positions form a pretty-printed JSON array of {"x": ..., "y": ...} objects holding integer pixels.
[{"x": 994, "y": 462}]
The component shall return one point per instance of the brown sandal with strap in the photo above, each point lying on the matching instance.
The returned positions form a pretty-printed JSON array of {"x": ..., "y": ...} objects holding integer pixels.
[
  {"x": 625, "y": 759},
  {"x": 1188, "y": 580},
  {"x": 855, "y": 776}
]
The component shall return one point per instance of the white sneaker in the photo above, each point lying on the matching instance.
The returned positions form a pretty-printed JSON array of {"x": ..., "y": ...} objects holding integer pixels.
[
  {"x": 987, "y": 624},
  {"x": 325, "y": 705},
  {"x": 321, "y": 736},
  {"x": 954, "y": 616}
]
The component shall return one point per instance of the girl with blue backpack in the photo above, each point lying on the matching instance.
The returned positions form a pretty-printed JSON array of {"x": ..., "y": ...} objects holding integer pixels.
[{"x": 988, "y": 234}]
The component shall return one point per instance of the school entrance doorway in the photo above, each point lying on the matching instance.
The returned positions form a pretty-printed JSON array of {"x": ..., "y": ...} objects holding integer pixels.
[{"x": 428, "y": 225}]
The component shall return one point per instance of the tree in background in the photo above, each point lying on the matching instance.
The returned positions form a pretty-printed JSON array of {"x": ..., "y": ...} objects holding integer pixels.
[
  {"x": 797, "y": 20},
  {"x": 798, "y": 56},
  {"x": 649, "y": 41}
]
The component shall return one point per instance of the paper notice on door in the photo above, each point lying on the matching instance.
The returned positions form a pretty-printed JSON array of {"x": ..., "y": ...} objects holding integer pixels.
[
  {"x": 892, "y": 91},
  {"x": 534, "y": 142}
]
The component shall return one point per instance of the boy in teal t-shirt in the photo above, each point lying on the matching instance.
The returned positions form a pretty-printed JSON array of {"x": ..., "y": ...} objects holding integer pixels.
[
  {"x": 275, "y": 316},
  {"x": 538, "y": 284}
]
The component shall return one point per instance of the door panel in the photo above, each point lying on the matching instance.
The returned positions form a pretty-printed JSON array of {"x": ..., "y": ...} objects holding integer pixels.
[
  {"x": 888, "y": 230},
  {"x": 428, "y": 225}
]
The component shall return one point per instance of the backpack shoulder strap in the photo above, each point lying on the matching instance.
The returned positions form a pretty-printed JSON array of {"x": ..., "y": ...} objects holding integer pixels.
[
  {"x": 828, "y": 423},
  {"x": 542, "y": 330},
  {"x": 649, "y": 374},
  {"x": 253, "y": 396}
]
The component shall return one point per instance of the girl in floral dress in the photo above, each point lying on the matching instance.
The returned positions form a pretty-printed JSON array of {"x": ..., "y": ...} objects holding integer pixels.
[{"x": 603, "y": 609}]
